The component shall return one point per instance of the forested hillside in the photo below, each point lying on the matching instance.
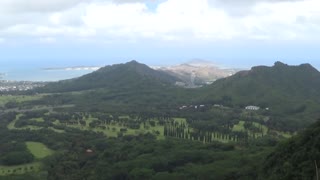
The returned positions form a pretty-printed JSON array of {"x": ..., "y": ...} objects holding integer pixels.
[
  {"x": 297, "y": 158},
  {"x": 120, "y": 76},
  {"x": 291, "y": 93}
]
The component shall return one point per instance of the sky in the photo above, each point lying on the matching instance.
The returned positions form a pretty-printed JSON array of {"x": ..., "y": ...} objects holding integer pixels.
[{"x": 241, "y": 33}]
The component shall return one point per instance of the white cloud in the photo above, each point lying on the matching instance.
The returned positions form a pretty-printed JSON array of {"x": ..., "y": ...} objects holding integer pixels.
[
  {"x": 172, "y": 20},
  {"x": 23, "y": 6},
  {"x": 47, "y": 40}
]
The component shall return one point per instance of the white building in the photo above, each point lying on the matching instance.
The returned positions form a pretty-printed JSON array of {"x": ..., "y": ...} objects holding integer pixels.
[{"x": 252, "y": 108}]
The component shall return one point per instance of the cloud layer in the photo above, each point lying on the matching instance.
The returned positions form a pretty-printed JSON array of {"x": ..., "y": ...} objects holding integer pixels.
[{"x": 52, "y": 21}]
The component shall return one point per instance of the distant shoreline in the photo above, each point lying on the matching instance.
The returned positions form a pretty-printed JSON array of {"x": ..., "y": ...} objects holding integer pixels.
[{"x": 76, "y": 68}]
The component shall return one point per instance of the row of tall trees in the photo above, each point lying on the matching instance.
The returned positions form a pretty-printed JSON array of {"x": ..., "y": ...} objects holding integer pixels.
[{"x": 181, "y": 131}]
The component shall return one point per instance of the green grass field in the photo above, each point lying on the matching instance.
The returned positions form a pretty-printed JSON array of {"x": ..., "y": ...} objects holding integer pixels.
[
  {"x": 37, "y": 119},
  {"x": 12, "y": 123},
  {"x": 39, "y": 150},
  {"x": 7, "y": 98},
  {"x": 112, "y": 130},
  {"x": 11, "y": 126},
  {"x": 180, "y": 120},
  {"x": 240, "y": 127}
]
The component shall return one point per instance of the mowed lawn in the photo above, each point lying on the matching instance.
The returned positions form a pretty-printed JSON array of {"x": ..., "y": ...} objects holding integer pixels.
[{"x": 39, "y": 150}]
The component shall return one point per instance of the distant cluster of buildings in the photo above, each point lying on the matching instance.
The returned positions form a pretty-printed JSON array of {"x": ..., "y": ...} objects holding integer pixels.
[
  {"x": 255, "y": 108},
  {"x": 6, "y": 86},
  {"x": 192, "y": 107},
  {"x": 249, "y": 108},
  {"x": 252, "y": 108}
]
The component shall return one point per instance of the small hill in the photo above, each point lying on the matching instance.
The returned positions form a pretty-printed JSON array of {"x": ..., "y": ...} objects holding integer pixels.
[
  {"x": 295, "y": 158},
  {"x": 288, "y": 91},
  {"x": 119, "y": 76}
]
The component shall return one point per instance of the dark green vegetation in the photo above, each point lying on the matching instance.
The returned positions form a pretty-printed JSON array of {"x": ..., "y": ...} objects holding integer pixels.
[
  {"x": 15, "y": 153},
  {"x": 130, "y": 122},
  {"x": 292, "y": 93},
  {"x": 296, "y": 158},
  {"x": 134, "y": 156}
]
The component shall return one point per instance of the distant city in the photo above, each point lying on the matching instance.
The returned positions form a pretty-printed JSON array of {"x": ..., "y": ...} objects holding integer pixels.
[{"x": 6, "y": 86}]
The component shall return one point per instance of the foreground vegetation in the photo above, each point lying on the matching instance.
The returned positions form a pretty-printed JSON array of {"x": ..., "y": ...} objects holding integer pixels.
[{"x": 135, "y": 146}]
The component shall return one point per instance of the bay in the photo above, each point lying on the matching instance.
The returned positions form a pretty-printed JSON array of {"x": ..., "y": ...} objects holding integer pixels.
[{"x": 31, "y": 73}]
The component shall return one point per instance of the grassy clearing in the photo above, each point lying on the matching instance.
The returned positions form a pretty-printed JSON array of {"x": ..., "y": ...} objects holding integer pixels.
[
  {"x": 20, "y": 169},
  {"x": 39, "y": 150},
  {"x": 113, "y": 130},
  {"x": 11, "y": 126},
  {"x": 180, "y": 120},
  {"x": 37, "y": 119},
  {"x": 8, "y": 98},
  {"x": 239, "y": 126},
  {"x": 283, "y": 134}
]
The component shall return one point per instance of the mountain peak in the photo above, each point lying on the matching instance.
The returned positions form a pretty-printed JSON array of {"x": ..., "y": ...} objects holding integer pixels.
[
  {"x": 280, "y": 64},
  {"x": 308, "y": 66},
  {"x": 305, "y": 67},
  {"x": 133, "y": 62}
]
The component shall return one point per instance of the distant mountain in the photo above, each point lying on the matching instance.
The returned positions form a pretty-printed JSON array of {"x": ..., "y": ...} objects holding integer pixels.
[
  {"x": 296, "y": 158},
  {"x": 119, "y": 76},
  {"x": 129, "y": 87},
  {"x": 290, "y": 92},
  {"x": 197, "y": 72}
]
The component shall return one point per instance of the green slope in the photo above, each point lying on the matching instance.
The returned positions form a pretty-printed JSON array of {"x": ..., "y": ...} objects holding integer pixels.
[
  {"x": 292, "y": 93},
  {"x": 119, "y": 76},
  {"x": 295, "y": 158},
  {"x": 123, "y": 87}
]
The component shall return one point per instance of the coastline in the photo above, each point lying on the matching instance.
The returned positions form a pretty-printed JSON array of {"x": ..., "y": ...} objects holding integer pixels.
[
  {"x": 75, "y": 68},
  {"x": 44, "y": 74}
]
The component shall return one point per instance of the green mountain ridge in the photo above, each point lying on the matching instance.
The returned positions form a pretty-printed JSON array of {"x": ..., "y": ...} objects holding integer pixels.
[
  {"x": 119, "y": 76},
  {"x": 292, "y": 93},
  {"x": 120, "y": 87},
  {"x": 262, "y": 82}
]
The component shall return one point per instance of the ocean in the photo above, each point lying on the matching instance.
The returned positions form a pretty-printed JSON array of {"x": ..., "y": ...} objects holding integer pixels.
[{"x": 32, "y": 73}]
